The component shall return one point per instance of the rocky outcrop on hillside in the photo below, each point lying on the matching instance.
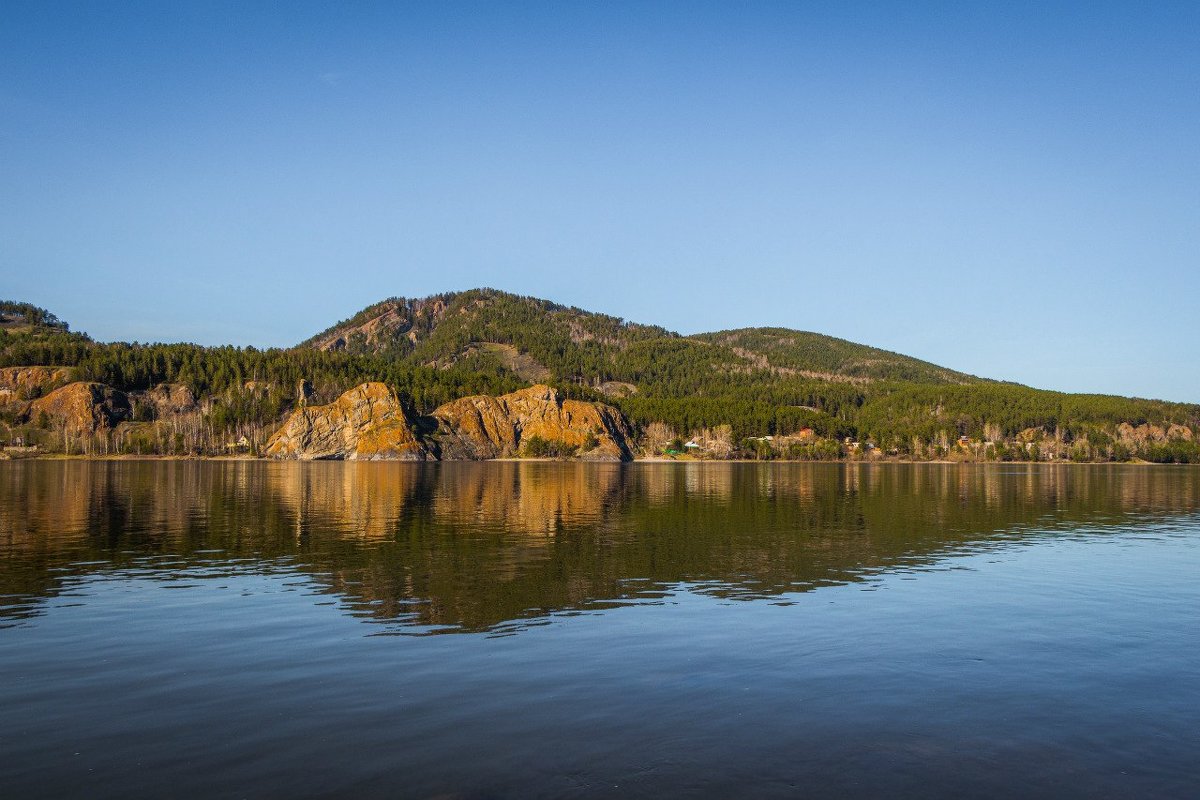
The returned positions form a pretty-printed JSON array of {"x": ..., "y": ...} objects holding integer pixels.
[
  {"x": 378, "y": 327},
  {"x": 1140, "y": 434},
  {"x": 617, "y": 389},
  {"x": 169, "y": 399},
  {"x": 19, "y": 384},
  {"x": 1181, "y": 432},
  {"x": 366, "y": 423},
  {"x": 81, "y": 407},
  {"x": 369, "y": 423},
  {"x": 482, "y": 427}
]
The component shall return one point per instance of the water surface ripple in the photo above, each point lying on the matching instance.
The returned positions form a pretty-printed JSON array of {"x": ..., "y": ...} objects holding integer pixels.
[{"x": 251, "y": 629}]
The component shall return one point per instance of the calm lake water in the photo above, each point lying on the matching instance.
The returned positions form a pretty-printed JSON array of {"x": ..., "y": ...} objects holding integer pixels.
[{"x": 175, "y": 629}]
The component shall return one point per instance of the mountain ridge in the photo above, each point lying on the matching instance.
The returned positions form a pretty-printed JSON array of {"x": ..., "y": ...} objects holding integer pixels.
[
  {"x": 766, "y": 392},
  {"x": 440, "y": 328}
]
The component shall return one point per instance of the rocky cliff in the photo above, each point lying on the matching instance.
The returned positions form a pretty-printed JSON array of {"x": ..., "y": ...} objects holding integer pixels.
[
  {"x": 366, "y": 423},
  {"x": 169, "y": 399},
  {"x": 1140, "y": 434},
  {"x": 18, "y": 384},
  {"x": 369, "y": 423},
  {"x": 81, "y": 407},
  {"x": 378, "y": 327},
  {"x": 482, "y": 427}
]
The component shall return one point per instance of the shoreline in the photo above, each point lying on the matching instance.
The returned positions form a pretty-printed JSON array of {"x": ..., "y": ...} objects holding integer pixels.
[{"x": 646, "y": 460}]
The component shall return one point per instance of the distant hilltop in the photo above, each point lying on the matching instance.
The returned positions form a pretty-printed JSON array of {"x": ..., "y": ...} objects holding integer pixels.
[
  {"x": 466, "y": 374},
  {"x": 583, "y": 346},
  {"x": 25, "y": 317}
]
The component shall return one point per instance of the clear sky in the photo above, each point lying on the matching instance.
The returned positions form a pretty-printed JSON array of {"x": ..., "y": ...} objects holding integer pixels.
[{"x": 1011, "y": 190}]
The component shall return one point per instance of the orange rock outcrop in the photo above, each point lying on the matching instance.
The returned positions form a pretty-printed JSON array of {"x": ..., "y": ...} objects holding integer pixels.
[
  {"x": 366, "y": 423},
  {"x": 1130, "y": 434},
  {"x": 169, "y": 399},
  {"x": 369, "y": 423},
  {"x": 18, "y": 384},
  {"x": 482, "y": 426},
  {"x": 82, "y": 407}
]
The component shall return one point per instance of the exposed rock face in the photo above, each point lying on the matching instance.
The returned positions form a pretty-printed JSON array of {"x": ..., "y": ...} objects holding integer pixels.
[
  {"x": 369, "y": 423},
  {"x": 617, "y": 389},
  {"x": 1179, "y": 432},
  {"x": 1030, "y": 435},
  {"x": 366, "y": 423},
  {"x": 169, "y": 399},
  {"x": 482, "y": 427},
  {"x": 377, "y": 327},
  {"x": 82, "y": 407},
  {"x": 18, "y": 384},
  {"x": 526, "y": 367},
  {"x": 1128, "y": 434}
]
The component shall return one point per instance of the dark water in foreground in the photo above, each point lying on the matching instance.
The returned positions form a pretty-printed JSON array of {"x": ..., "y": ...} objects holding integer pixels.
[{"x": 567, "y": 630}]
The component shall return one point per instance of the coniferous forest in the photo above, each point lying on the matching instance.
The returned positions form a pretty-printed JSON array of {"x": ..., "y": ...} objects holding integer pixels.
[{"x": 764, "y": 393}]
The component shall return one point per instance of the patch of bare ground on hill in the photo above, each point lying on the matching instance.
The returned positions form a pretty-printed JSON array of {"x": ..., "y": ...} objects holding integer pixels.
[
  {"x": 526, "y": 367},
  {"x": 759, "y": 361}
]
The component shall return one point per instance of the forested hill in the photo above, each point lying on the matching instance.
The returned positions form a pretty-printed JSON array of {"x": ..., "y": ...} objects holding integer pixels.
[
  {"x": 758, "y": 392},
  {"x": 816, "y": 355},
  {"x": 545, "y": 340}
]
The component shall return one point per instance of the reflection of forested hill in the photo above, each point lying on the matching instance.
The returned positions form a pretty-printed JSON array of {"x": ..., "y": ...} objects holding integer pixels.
[{"x": 472, "y": 546}]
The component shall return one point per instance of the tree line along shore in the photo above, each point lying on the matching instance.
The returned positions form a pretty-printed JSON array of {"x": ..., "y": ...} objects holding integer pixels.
[{"x": 753, "y": 394}]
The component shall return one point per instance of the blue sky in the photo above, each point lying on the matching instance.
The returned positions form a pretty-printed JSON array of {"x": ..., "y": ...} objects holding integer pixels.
[{"x": 1011, "y": 190}]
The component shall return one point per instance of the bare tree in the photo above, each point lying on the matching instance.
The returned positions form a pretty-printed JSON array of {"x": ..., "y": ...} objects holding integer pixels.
[{"x": 658, "y": 436}]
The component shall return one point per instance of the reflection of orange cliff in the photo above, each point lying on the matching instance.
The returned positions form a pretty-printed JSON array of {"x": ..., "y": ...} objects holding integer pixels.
[
  {"x": 48, "y": 503},
  {"x": 365, "y": 500},
  {"x": 528, "y": 497},
  {"x": 350, "y": 499},
  {"x": 37, "y": 505},
  {"x": 474, "y": 545}
]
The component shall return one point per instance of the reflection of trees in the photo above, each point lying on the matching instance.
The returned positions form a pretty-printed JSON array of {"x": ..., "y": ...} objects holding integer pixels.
[{"x": 477, "y": 545}]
